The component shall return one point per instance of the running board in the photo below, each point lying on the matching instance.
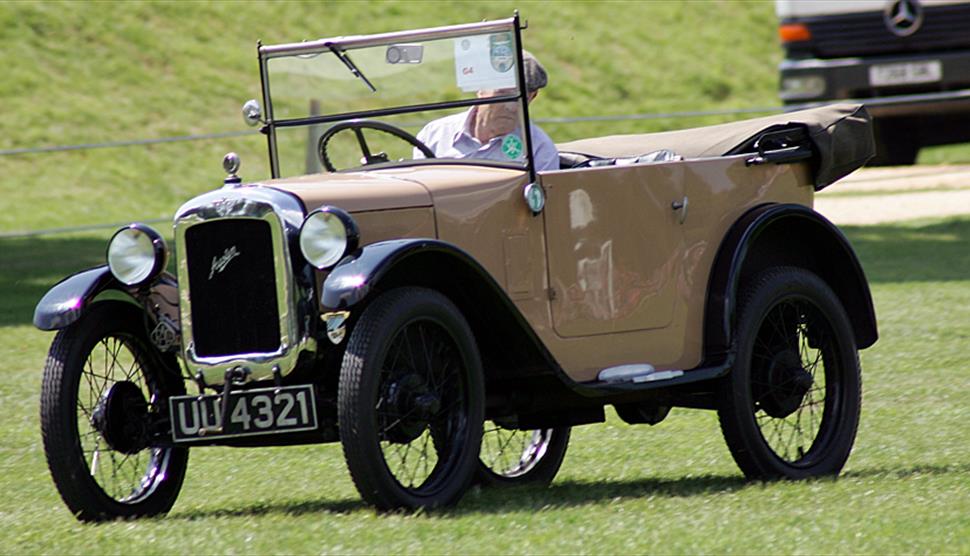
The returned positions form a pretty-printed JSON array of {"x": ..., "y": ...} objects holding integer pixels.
[{"x": 636, "y": 380}]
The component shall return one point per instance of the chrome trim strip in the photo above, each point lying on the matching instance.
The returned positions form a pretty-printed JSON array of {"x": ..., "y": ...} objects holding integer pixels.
[
  {"x": 258, "y": 204},
  {"x": 362, "y": 41}
]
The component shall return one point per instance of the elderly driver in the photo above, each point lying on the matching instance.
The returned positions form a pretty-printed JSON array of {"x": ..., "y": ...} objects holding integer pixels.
[{"x": 491, "y": 131}]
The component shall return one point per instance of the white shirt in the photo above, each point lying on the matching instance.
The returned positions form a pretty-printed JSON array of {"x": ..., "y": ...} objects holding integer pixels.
[{"x": 450, "y": 137}]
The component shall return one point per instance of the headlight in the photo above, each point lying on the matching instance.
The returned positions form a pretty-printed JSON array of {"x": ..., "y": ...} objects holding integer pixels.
[
  {"x": 327, "y": 235},
  {"x": 136, "y": 254}
]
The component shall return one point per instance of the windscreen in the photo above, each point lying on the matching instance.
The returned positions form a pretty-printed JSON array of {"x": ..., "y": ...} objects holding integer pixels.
[{"x": 410, "y": 92}]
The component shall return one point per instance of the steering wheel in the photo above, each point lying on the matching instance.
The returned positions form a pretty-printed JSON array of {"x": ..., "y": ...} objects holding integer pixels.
[{"x": 369, "y": 158}]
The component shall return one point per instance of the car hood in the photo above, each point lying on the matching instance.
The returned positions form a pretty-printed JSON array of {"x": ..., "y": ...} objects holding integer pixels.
[
  {"x": 354, "y": 192},
  {"x": 391, "y": 188}
]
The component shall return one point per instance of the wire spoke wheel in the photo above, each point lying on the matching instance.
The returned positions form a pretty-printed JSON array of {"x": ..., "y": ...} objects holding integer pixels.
[
  {"x": 790, "y": 407},
  {"x": 421, "y": 404},
  {"x": 511, "y": 453},
  {"x": 789, "y": 383},
  {"x": 411, "y": 401},
  {"x": 103, "y": 401},
  {"x": 125, "y": 477},
  {"x": 511, "y": 457}
]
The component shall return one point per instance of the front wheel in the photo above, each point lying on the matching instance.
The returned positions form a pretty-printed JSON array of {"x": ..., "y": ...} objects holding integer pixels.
[
  {"x": 790, "y": 407},
  {"x": 105, "y": 393},
  {"x": 411, "y": 401}
]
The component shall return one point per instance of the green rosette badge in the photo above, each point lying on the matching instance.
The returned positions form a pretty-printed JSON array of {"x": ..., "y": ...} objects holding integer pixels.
[{"x": 512, "y": 146}]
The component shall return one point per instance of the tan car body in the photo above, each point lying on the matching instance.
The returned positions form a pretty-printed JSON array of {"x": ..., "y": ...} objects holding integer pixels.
[
  {"x": 400, "y": 306},
  {"x": 608, "y": 274}
]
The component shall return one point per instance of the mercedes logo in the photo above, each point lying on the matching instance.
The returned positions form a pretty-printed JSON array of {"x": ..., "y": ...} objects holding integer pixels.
[{"x": 903, "y": 17}]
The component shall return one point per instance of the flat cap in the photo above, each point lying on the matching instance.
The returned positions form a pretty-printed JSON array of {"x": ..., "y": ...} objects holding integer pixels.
[{"x": 535, "y": 74}]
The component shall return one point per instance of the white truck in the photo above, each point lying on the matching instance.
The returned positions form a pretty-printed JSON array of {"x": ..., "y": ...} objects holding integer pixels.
[{"x": 908, "y": 61}]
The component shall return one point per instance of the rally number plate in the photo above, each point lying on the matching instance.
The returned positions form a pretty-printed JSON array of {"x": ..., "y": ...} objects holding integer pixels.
[{"x": 250, "y": 413}]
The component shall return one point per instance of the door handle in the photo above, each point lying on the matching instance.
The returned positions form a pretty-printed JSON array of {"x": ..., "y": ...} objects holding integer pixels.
[{"x": 682, "y": 207}]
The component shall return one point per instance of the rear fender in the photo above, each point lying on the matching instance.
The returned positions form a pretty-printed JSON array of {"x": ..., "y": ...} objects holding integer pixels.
[{"x": 792, "y": 235}]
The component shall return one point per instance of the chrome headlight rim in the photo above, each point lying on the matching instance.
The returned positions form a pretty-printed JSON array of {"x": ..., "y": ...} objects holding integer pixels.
[
  {"x": 327, "y": 215},
  {"x": 155, "y": 251}
]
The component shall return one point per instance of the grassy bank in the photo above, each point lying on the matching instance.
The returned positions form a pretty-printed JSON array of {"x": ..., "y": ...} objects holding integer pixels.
[{"x": 79, "y": 73}]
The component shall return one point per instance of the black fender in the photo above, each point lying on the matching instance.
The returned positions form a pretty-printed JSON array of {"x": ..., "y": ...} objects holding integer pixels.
[
  {"x": 510, "y": 347},
  {"x": 67, "y": 300},
  {"x": 784, "y": 234}
]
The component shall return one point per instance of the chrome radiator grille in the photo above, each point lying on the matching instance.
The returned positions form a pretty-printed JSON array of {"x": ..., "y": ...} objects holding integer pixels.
[{"x": 232, "y": 286}]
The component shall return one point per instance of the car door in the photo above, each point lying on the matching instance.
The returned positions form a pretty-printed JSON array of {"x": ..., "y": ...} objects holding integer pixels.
[{"x": 614, "y": 247}]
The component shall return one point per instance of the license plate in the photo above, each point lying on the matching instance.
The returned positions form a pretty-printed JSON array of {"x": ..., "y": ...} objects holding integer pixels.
[
  {"x": 250, "y": 413},
  {"x": 905, "y": 73}
]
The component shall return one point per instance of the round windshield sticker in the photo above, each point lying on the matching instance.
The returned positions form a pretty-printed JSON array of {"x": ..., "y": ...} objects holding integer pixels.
[
  {"x": 500, "y": 52},
  {"x": 512, "y": 146}
]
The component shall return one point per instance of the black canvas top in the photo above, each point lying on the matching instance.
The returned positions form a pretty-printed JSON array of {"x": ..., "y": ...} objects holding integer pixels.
[{"x": 841, "y": 136}]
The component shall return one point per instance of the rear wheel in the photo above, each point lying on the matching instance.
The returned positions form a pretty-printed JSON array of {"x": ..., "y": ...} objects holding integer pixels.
[
  {"x": 790, "y": 407},
  {"x": 411, "y": 401},
  {"x": 511, "y": 457},
  {"x": 104, "y": 393}
]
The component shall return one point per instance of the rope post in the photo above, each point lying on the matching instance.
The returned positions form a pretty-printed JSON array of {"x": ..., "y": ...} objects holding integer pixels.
[{"x": 313, "y": 136}]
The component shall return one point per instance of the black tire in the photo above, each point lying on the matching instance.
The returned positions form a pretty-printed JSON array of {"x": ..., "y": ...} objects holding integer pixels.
[
  {"x": 107, "y": 352},
  {"x": 512, "y": 457},
  {"x": 897, "y": 144},
  {"x": 790, "y": 407},
  {"x": 411, "y": 385}
]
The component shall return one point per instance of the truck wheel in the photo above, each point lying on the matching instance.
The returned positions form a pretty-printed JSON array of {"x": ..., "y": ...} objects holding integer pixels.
[
  {"x": 104, "y": 389},
  {"x": 512, "y": 457},
  {"x": 411, "y": 401},
  {"x": 789, "y": 409},
  {"x": 896, "y": 145}
]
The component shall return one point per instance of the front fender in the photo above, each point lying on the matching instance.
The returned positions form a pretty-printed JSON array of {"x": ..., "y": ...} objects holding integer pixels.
[
  {"x": 354, "y": 277},
  {"x": 64, "y": 303},
  {"x": 510, "y": 347}
]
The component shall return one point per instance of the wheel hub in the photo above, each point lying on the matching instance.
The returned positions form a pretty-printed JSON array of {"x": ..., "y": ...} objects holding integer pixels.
[
  {"x": 787, "y": 384},
  {"x": 121, "y": 417},
  {"x": 414, "y": 404}
]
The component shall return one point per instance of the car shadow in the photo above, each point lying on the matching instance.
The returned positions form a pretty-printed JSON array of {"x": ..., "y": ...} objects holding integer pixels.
[
  {"x": 345, "y": 506},
  {"x": 570, "y": 493},
  {"x": 565, "y": 494},
  {"x": 482, "y": 500},
  {"x": 907, "y": 472}
]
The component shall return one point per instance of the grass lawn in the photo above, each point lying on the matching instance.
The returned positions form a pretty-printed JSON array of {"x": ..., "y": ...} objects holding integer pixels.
[{"x": 672, "y": 488}]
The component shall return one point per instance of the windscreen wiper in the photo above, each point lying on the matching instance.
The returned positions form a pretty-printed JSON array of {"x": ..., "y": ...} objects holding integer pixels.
[{"x": 339, "y": 53}]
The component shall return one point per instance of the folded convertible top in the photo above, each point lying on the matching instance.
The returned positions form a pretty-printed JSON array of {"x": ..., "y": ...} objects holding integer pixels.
[{"x": 841, "y": 137}]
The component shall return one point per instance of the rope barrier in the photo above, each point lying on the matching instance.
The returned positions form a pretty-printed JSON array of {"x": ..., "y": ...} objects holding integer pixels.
[{"x": 230, "y": 134}]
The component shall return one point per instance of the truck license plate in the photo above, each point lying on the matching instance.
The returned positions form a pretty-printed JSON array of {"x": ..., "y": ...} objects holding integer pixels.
[
  {"x": 251, "y": 412},
  {"x": 906, "y": 73}
]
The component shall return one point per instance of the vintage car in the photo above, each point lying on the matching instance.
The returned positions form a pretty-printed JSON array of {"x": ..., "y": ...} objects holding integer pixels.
[{"x": 447, "y": 320}]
